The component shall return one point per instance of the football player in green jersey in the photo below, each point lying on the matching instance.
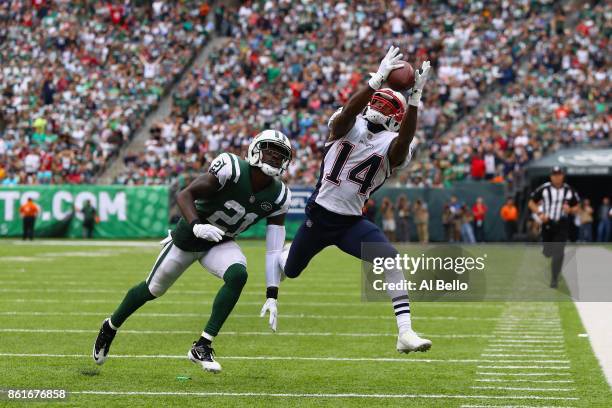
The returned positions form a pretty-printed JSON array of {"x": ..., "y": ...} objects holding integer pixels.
[{"x": 216, "y": 207}]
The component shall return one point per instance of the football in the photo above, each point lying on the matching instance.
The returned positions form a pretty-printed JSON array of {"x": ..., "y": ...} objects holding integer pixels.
[{"x": 401, "y": 79}]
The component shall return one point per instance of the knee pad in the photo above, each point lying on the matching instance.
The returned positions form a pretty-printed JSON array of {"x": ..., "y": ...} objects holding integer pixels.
[{"x": 236, "y": 276}]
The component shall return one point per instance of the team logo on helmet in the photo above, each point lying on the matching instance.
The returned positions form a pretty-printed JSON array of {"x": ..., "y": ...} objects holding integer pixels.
[
  {"x": 270, "y": 140},
  {"x": 266, "y": 206}
]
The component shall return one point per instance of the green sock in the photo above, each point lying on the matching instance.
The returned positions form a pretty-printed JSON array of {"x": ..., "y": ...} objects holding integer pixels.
[
  {"x": 235, "y": 278},
  {"x": 134, "y": 298}
]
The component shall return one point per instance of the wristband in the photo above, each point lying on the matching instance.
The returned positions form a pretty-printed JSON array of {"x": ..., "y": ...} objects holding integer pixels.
[
  {"x": 415, "y": 97},
  {"x": 376, "y": 81},
  {"x": 272, "y": 292},
  {"x": 193, "y": 223}
]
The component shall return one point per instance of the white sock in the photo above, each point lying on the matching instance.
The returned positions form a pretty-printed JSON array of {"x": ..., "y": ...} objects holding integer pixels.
[
  {"x": 399, "y": 299},
  {"x": 401, "y": 307},
  {"x": 110, "y": 323},
  {"x": 208, "y": 336}
]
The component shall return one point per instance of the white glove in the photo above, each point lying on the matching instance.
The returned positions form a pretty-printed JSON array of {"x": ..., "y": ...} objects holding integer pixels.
[
  {"x": 388, "y": 64},
  {"x": 419, "y": 83},
  {"x": 208, "y": 232},
  {"x": 270, "y": 306}
]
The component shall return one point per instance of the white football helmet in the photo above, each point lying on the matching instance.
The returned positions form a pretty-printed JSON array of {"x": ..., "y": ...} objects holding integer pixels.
[
  {"x": 387, "y": 108},
  {"x": 273, "y": 140}
]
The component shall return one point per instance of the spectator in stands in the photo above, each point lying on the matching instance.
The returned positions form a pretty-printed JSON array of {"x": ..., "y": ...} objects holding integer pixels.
[
  {"x": 421, "y": 220},
  {"x": 585, "y": 215},
  {"x": 604, "y": 216},
  {"x": 509, "y": 214},
  {"x": 447, "y": 223},
  {"x": 28, "y": 211},
  {"x": 403, "y": 219},
  {"x": 479, "y": 211},
  {"x": 467, "y": 219},
  {"x": 387, "y": 212},
  {"x": 78, "y": 79},
  {"x": 456, "y": 219}
]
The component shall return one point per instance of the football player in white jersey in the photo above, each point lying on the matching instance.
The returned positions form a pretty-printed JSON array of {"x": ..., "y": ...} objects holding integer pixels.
[{"x": 370, "y": 137}]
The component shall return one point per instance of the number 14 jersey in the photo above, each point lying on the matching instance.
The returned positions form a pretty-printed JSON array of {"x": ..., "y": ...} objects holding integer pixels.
[{"x": 353, "y": 167}]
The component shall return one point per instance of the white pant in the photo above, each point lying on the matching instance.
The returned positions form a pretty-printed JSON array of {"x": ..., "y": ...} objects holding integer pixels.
[{"x": 172, "y": 262}]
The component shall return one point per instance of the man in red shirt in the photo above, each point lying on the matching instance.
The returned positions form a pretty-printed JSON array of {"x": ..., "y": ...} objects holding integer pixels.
[
  {"x": 479, "y": 209},
  {"x": 477, "y": 170}
]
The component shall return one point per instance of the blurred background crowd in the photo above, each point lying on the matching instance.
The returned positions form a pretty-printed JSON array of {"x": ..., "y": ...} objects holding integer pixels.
[
  {"x": 513, "y": 80},
  {"x": 464, "y": 222},
  {"x": 77, "y": 78}
]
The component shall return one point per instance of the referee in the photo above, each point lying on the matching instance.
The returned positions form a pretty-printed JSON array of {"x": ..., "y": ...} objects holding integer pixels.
[{"x": 552, "y": 203}]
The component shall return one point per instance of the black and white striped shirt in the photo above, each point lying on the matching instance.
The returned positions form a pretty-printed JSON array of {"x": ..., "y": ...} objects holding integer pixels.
[{"x": 552, "y": 199}]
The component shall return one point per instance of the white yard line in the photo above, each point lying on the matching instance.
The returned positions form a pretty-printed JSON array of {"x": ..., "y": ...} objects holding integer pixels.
[
  {"x": 533, "y": 332},
  {"x": 508, "y": 341},
  {"x": 339, "y": 395},
  {"x": 529, "y": 374},
  {"x": 513, "y": 406},
  {"x": 513, "y": 367},
  {"x": 239, "y": 333},
  {"x": 524, "y": 336},
  {"x": 506, "y": 380},
  {"x": 206, "y": 301},
  {"x": 525, "y": 346},
  {"x": 248, "y": 333},
  {"x": 500, "y": 350},
  {"x": 485, "y": 387},
  {"x": 86, "y": 243},
  {"x": 515, "y": 355},
  {"x": 199, "y": 315},
  {"x": 507, "y": 344},
  {"x": 247, "y": 358},
  {"x": 356, "y": 295}
]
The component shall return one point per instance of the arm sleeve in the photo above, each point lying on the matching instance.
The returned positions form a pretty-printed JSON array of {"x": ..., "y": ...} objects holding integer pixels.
[
  {"x": 225, "y": 168},
  {"x": 285, "y": 206},
  {"x": 275, "y": 239}
]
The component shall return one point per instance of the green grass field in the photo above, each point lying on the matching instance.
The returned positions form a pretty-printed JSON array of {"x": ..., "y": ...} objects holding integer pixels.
[{"x": 331, "y": 348}]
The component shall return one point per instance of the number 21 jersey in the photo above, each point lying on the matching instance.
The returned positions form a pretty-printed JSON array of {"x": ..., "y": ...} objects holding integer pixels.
[
  {"x": 234, "y": 207},
  {"x": 353, "y": 167}
]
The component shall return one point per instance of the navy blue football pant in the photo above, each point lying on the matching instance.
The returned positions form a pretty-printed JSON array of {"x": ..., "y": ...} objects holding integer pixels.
[{"x": 323, "y": 228}]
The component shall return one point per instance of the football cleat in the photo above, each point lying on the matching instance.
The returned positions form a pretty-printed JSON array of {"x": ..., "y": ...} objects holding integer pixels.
[
  {"x": 410, "y": 341},
  {"x": 103, "y": 342},
  {"x": 204, "y": 356}
]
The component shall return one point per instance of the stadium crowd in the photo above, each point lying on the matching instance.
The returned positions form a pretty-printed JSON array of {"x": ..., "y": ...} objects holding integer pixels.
[
  {"x": 557, "y": 100},
  {"x": 77, "y": 78},
  {"x": 289, "y": 65}
]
